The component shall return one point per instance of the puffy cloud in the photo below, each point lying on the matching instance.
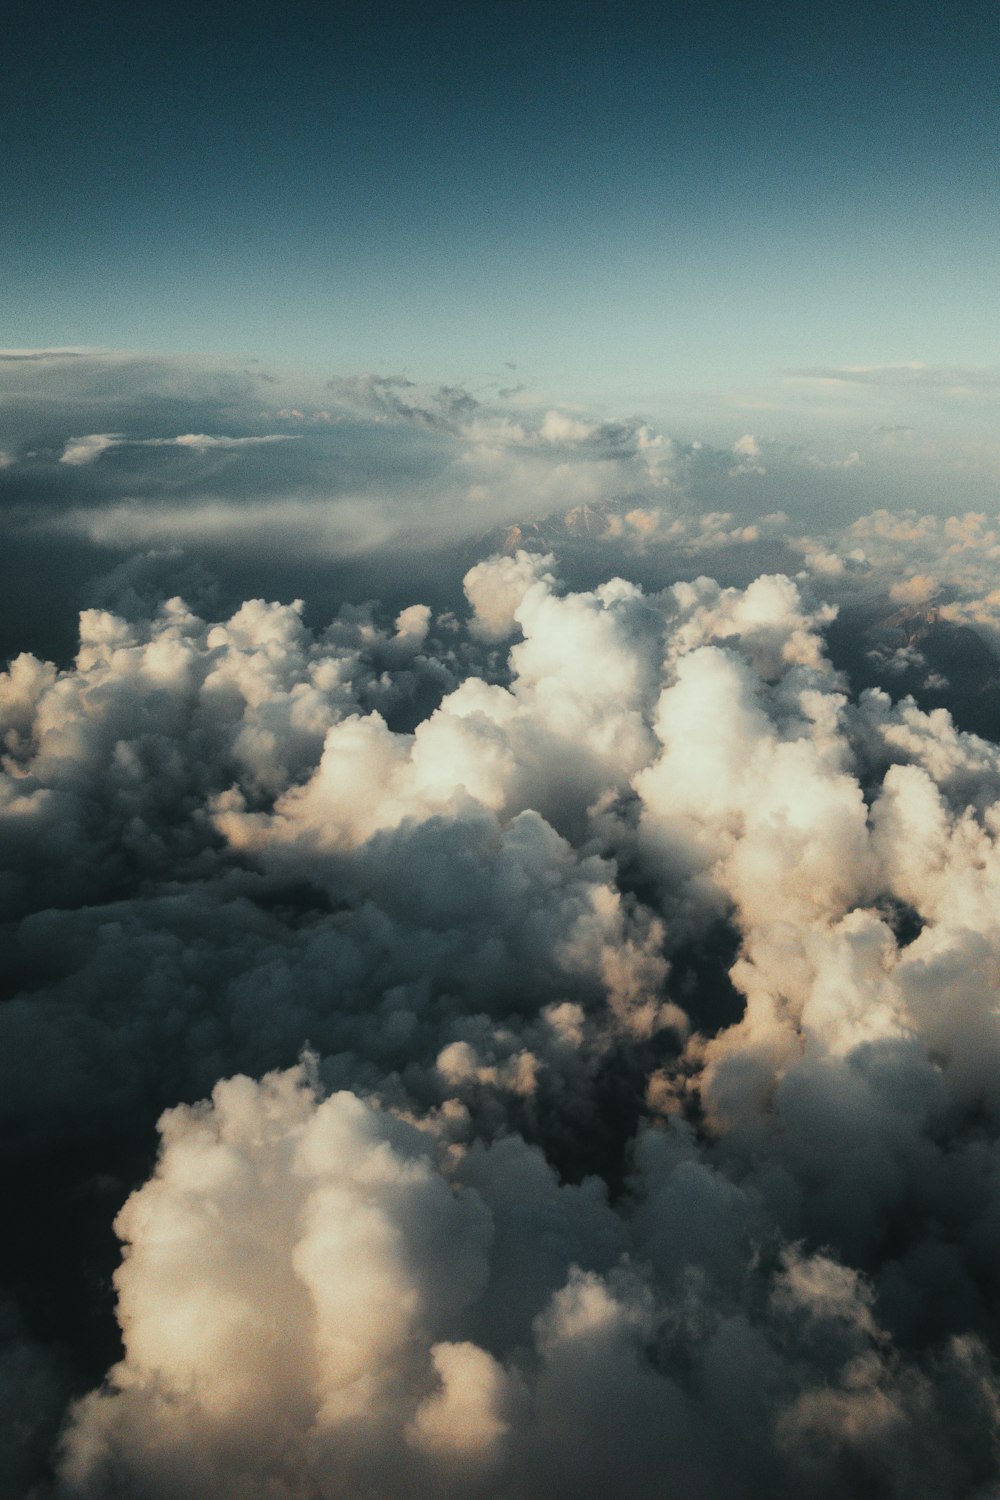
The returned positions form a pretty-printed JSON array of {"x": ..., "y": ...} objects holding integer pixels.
[
  {"x": 648, "y": 971},
  {"x": 559, "y": 427},
  {"x": 86, "y": 450},
  {"x": 295, "y": 1330},
  {"x": 496, "y": 588},
  {"x": 748, "y": 456},
  {"x": 303, "y": 1276}
]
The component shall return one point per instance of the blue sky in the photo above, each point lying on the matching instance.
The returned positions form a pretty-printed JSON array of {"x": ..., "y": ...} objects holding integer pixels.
[{"x": 624, "y": 203}]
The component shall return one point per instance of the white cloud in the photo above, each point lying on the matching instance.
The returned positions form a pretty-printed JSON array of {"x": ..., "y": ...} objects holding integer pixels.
[
  {"x": 560, "y": 427},
  {"x": 202, "y": 441},
  {"x": 87, "y": 450},
  {"x": 650, "y": 972}
]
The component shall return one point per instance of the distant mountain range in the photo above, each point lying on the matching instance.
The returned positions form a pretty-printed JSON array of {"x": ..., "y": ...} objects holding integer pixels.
[
  {"x": 917, "y": 650},
  {"x": 580, "y": 523}
]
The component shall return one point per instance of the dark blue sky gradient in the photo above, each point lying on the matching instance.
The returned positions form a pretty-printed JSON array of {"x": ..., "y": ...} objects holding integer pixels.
[{"x": 593, "y": 192}]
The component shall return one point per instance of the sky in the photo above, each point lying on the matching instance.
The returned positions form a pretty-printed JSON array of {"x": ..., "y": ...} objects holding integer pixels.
[
  {"x": 622, "y": 202},
  {"x": 499, "y": 752}
]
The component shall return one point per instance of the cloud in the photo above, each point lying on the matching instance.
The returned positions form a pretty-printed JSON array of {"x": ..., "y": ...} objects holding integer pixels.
[
  {"x": 395, "y": 398},
  {"x": 302, "y": 1277},
  {"x": 202, "y": 441},
  {"x": 535, "y": 1211},
  {"x": 518, "y": 1032},
  {"x": 908, "y": 374},
  {"x": 836, "y": 463},
  {"x": 748, "y": 455},
  {"x": 386, "y": 475},
  {"x": 48, "y": 355},
  {"x": 560, "y": 427},
  {"x": 86, "y": 450}
]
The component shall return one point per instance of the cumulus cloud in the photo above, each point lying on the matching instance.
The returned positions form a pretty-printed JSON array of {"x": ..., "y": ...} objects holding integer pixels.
[
  {"x": 86, "y": 450},
  {"x": 556, "y": 1194},
  {"x": 304, "y": 1276},
  {"x": 522, "y": 1039},
  {"x": 748, "y": 456}
]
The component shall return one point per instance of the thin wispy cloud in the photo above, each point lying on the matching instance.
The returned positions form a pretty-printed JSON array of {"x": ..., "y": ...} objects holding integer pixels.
[
  {"x": 88, "y": 449},
  {"x": 907, "y": 375}
]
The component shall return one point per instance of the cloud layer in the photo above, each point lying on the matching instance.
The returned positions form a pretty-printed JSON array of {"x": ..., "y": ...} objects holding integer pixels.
[
  {"x": 571, "y": 1022},
  {"x": 500, "y": 946},
  {"x": 379, "y": 486}
]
